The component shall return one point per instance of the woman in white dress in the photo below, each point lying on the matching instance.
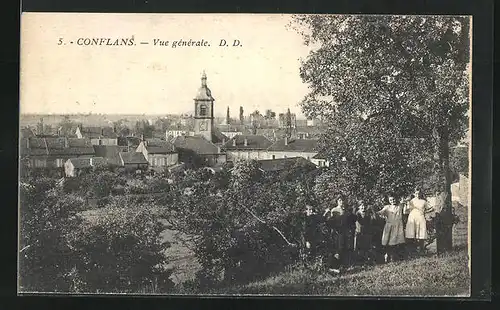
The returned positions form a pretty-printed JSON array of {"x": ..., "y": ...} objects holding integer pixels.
[{"x": 416, "y": 227}]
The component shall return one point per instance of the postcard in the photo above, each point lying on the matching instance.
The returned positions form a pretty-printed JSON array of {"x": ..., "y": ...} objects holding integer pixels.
[{"x": 245, "y": 154}]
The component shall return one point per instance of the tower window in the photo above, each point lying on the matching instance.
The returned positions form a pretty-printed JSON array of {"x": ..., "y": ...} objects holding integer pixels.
[{"x": 203, "y": 110}]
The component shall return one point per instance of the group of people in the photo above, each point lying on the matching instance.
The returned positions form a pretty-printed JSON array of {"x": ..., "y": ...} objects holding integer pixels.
[{"x": 367, "y": 234}]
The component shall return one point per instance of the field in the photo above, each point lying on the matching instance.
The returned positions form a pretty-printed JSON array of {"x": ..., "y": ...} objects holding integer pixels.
[{"x": 431, "y": 275}]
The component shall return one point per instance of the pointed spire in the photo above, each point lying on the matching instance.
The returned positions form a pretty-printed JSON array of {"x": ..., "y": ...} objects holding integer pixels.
[{"x": 204, "y": 79}]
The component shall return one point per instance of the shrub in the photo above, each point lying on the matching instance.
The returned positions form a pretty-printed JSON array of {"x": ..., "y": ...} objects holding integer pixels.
[
  {"x": 46, "y": 216},
  {"x": 121, "y": 251}
]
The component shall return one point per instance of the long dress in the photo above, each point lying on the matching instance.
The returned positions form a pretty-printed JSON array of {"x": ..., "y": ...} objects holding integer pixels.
[
  {"x": 393, "y": 233},
  {"x": 416, "y": 227},
  {"x": 342, "y": 224},
  {"x": 363, "y": 241}
]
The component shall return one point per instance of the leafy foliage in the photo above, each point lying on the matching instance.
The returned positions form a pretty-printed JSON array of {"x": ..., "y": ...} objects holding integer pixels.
[
  {"x": 46, "y": 217},
  {"x": 244, "y": 222},
  {"x": 66, "y": 248},
  {"x": 121, "y": 250},
  {"x": 394, "y": 92}
]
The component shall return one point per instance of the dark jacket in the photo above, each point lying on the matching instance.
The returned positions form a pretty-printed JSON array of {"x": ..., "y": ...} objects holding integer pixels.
[{"x": 342, "y": 224}]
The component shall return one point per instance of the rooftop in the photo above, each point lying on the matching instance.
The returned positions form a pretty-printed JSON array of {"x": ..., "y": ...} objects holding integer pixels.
[
  {"x": 254, "y": 142},
  {"x": 87, "y": 162},
  {"x": 158, "y": 146},
  {"x": 132, "y": 158},
  {"x": 55, "y": 146},
  {"x": 110, "y": 152},
  {"x": 98, "y": 132},
  {"x": 196, "y": 144},
  {"x": 294, "y": 145}
]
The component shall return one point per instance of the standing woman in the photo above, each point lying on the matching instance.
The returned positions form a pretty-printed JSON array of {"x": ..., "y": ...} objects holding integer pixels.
[
  {"x": 378, "y": 227},
  {"x": 342, "y": 224},
  {"x": 393, "y": 235},
  {"x": 416, "y": 227}
]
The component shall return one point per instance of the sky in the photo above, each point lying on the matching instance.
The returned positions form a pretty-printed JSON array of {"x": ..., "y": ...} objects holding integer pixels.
[{"x": 262, "y": 73}]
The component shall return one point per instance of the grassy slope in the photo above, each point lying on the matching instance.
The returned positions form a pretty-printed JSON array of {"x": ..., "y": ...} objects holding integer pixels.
[
  {"x": 429, "y": 276},
  {"x": 426, "y": 276}
]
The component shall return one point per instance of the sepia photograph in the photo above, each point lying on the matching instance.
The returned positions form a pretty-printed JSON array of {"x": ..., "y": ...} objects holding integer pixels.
[{"x": 245, "y": 154}]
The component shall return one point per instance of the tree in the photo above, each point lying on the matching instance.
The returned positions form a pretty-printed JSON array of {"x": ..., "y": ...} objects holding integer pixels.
[
  {"x": 270, "y": 114},
  {"x": 288, "y": 123},
  {"x": 65, "y": 248},
  {"x": 144, "y": 128},
  {"x": 46, "y": 216},
  {"x": 121, "y": 128},
  {"x": 66, "y": 126},
  {"x": 243, "y": 222},
  {"x": 121, "y": 250},
  {"x": 403, "y": 76}
]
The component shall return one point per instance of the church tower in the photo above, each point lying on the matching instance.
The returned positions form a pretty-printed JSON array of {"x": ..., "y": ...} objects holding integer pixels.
[{"x": 204, "y": 111}]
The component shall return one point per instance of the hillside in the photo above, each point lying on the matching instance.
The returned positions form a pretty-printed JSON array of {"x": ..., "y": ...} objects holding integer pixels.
[{"x": 433, "y": 275}]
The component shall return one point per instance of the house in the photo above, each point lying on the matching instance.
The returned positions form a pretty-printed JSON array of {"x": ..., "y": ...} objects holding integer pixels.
[
  {"x": 274, "y": 165},
  {"x": 272, "y": 134},
  {"x": 285, "y": 120},
  {"x": 196, "y": 150},
  {"x": 98, "y": 135},
  {"x": 129, "y": 143},
  {"x": 309, "y": 132},
  {"x": 247, "y": 147},
  {"x": 53, "y": 152},
  {"x": 111, "y": 153},
  {"x": 74, "y": 166},
  {"x": 133, "y": 161},
  {"x": 320, "y": 160},
  {"x": 159, "y": 153},
  {"x": 288, "y": 147}
]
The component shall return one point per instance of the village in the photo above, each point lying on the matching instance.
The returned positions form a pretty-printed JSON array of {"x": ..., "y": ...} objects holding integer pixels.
[{"x": 190, "y": 141}]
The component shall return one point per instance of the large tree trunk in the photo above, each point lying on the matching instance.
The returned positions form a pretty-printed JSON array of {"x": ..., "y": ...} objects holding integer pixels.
[{"x": 444, "y": 227}]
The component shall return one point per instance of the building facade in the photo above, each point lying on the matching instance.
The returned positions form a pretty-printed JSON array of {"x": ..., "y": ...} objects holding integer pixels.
[
  {"x": 53, "y": 152},
  {"x": 247, "y": 147},
  {"x": 158, "y": 153},
  {"x": 98, "y": 135}
]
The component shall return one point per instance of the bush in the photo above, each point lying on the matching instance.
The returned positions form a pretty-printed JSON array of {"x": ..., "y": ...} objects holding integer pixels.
[
  {"x": 64, "y": 248},
  {"x": 47, "y": 215},
  {"x": 121, "y": 251},
  {"x": 233, "y": 218}
]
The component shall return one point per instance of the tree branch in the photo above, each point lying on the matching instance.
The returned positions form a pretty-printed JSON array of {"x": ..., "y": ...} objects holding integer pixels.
[{"x": 274, "y": 227}]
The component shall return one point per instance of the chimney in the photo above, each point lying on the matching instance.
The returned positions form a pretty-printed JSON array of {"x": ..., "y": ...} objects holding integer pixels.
[
  {"x": 286, "y": 140},
  {"x": 91, "y": 162},
  {"x": 223, "y": 141},
  {"x": 102, "y": 131},
  {"x": 218, "y": 150},
  {"x": 28, "y": 143},
  {"x": 234, "y": 141},
  {"x": 245, "y": 142},
  {"x": 66, "y": 142}
]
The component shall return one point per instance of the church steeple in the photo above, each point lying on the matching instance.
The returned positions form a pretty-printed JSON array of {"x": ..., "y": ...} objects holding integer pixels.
[
  {"x": 204, "y": 110},
  {"x": 204, "y": 79}
]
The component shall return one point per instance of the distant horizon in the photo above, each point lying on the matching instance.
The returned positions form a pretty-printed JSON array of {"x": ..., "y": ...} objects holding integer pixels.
[{"x": 146, "y": 114}]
